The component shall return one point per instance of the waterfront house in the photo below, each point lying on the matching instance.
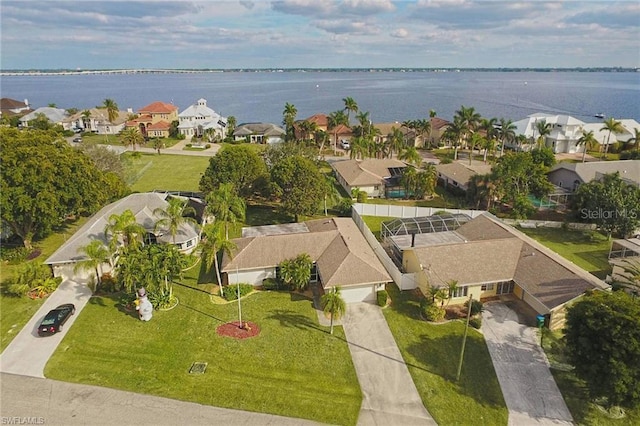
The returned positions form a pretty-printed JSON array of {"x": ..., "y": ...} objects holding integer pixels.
[
  {"x": 261, "y": 133},
  {"x": 373, "y": 176},
  {"x": 53, "y": 115},
  {"x": 10, "y": 107},
  {"x": 409, "y": 136},
  {"x": 97, "y": 120},
  {"x": 564, "y": 135},
  {"x": 438, "y": 127},
  {"x": 63, "y": 260},
  {"x": 198, "y": 119},
  {"x": 154, "y": 120},
  {"x": 602, "y": 136},
  {"x": 571, "y": 175},
  {"x": 340, "y": 253}
]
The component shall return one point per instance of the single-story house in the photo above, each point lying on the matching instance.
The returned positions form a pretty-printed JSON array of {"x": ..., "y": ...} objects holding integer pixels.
[
  {"x": 54, "y": 115},
  {"x": 455, "y": 175},
  {"x": 11, "y": 107},
  {"x": 488, "y": 258},
  {"x": 372, "y": 176},
  {"x": 625, "y": 255},
  {"x": 409, "y": 136},
  {"x": 97, "y": 120},
  {"x": 263, "y": 133},
  {"x": 340, "y": 253},
  {"x": 63, "y": 260},
  {"x": 571, "y": 175},
  {"x": 199, "y": 119}
]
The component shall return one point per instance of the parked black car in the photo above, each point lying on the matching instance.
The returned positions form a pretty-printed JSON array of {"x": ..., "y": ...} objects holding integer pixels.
[{"x": 53, "y": 321}]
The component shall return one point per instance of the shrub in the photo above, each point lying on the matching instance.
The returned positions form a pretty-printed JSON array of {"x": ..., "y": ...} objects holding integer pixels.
[
  {"x": 630, "y": 155},
  {"x": 344, "y": 207},
  {"x": 273, "y": 284},
  {"x": 476, "y": 322},
  {"x": 108, "y": 283},
  {"x": 431, "y": 312},
  {"x": 207, "y": 146},
  {"x": 188, "y": 145},
  {"x": 446, "y": 160},
  {"x": 362, "y": 197},
  {"x": 476, "y": 306},
  {"x": 231, "y": 292},
  {"x": 14, "y": 255},
  {"x": 382, "y": 297},
  {"x": 180, "y": 136}
]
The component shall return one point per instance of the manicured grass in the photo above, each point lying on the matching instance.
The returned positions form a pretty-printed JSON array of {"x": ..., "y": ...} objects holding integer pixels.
[
  {"x": 293, "y": 368},
  {"x": 442, "y": 199},
  {"x": 432, "y": 353},
  {"x": 170, "y": 172},
  {"x": 587, "y": 249},
  {"x": 374, "y": 223},
  {"x": 575, "y": 392},
  {"x": 15, "y": 312}
]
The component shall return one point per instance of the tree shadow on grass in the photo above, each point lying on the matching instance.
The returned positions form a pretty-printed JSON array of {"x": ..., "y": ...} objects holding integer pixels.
[
  {"x": 182, "y": 305},
  {"x": 440, "y": 356},
  {"x": 292, "y": 319}
]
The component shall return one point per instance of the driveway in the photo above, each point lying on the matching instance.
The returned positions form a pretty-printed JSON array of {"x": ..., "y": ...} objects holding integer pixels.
[
  {"x": 389, "y": 395},
  {"x": 28, "y": 353},
  {"x": 529, "y": 389}
]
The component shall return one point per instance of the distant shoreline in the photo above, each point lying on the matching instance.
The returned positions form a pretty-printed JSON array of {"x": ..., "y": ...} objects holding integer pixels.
[{"x": 47, "y": 72}]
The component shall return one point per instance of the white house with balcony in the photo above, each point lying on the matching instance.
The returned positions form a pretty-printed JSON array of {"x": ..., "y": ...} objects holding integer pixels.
[
  {"x": 565, "y": 131},
  {"x": 199, "y": 120}
]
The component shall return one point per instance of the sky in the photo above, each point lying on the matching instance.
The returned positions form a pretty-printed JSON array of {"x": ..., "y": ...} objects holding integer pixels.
[{"x": 318, "y": 34}]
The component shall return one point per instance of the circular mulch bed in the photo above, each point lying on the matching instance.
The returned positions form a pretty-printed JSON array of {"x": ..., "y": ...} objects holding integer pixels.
[{"x": 232, "y": 329}]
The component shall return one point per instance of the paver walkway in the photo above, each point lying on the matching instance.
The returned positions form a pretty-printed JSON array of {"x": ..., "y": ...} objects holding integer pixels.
[
  {"x": 389, "y": 395},
  {"x": 529, "y": 390}
]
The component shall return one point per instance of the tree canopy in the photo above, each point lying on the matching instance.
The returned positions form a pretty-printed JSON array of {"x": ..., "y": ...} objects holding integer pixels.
[
  {"x": 299, "y": 185},
  {"x": 603, "y": 343},
  {"x": 239, "y": 165},
  {"x": 44, "y": 180},
  {"x": 610, "y": 203}
]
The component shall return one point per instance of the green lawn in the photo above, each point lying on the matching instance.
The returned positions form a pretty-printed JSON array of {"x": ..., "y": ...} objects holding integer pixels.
[
  {"x": 442, "y": 199},
  {"x": 587, "y": 249},
  {"x": 432, "y": 353},
  {"x": 293, "y": 368},
  {"x": 374, "y": 223},
  {"x": 170, "y": 172},
  {"x": 15, "y": 312}
]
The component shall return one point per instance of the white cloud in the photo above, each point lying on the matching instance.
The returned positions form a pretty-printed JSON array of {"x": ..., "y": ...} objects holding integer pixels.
[{"x": 400, "y": 33}]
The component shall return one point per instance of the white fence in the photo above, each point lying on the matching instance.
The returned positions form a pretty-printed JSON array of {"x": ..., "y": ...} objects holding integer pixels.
[
  {"x": 549, "y": 224},
  {"x": 386, "y": 210}
]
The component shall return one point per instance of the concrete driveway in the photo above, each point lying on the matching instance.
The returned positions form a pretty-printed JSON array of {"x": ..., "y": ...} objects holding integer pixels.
[
  {"x": 389, "y": 395},
  {"x": 529, "y": 389},
  {"x": 28, "y": 353}
]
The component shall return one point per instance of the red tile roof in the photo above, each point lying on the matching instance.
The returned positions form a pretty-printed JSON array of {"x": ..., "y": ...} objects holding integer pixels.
[
  {"x": 160, "y": 125},
  {"x": 158, "y": 108},
  {"x": 320, "y": 119},
  {"x": 438, "y": 123}
]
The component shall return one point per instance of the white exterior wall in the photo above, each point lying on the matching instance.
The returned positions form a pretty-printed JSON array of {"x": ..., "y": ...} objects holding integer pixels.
[
  {"x": 361, "y": 294},
  {"x": 251, "y": 276}
]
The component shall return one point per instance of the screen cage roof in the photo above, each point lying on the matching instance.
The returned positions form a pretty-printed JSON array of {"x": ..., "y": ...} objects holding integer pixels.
[{"x": 423, "y": 225}]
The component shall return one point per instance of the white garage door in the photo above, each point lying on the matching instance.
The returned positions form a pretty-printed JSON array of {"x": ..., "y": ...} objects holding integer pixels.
[{"x": 358, "y": 294}]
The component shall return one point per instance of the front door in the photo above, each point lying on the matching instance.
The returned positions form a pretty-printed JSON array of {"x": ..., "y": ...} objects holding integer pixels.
[{"x": 505, "y": 287}]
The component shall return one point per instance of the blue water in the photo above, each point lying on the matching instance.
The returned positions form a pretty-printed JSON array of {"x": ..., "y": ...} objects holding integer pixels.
[{"x": 388, "y": 96}]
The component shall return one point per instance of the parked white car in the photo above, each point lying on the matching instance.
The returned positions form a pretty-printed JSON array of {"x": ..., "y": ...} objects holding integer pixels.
[{"x": 345, "y": 144}]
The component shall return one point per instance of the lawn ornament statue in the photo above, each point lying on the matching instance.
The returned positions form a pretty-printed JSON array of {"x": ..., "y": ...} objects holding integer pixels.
[{"x": 143, "y": 306}]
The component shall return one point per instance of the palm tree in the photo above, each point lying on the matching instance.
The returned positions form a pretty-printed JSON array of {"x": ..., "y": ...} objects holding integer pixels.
[
  {"x": 476, "y": 140},
  {"x": 123, "y": 228},
  {"x": 411, "y": 156},
  {"x": 231, "y": 126},
  {"x": 86, "y": 119},
  {"x": 427, "y": 180},
  {"x": 365, "y": 123},
  {"x": 173, "y": 217},
  {"x": 423, "y": 126},
  {"x": 131, "y": 136},
  {"x": 454, "y": 134},
  {"x": 612, "y": 126},
  {"x": 631, "y": 272},
  {"x": 289, "y": 118},
  {"x": 350, "y": 106},
  {"x": 333, "y": 304},
  {"x": 487, "y": 145},
  {"x": 635, "y": 139},
  {"x": 469, "y": 119},
  {"x": 226, "y": 206},
  {"x": 396, "y": 141},
  {"x": 96, "y": 254},
  {"x": 544, "y": 129},
  {"x": 588, "y": 140},
  {"x": 213, "y": 242},
  {"x": 112, "y": 109},
  {"x": 334, "y": 120},
  {"x": 506, "y": 133}
]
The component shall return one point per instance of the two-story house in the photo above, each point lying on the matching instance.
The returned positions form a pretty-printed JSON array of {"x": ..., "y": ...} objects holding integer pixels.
[
  {"x": 154, "y": 120},
  {"x": 198, "y": 119}
]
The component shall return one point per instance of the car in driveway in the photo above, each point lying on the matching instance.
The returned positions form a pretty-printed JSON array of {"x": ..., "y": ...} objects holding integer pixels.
[
  {"x": 77, "y": 140},
  {"x": 52, "y": 322},
  {"x": 345, "y": 144}
]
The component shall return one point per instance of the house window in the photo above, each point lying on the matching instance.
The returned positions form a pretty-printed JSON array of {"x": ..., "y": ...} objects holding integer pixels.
[
  {"x": 486, "y": 287},
  {"x": 460, "y": 292},
  {"x": 314, "y": 273},
  {"x": 189, "y": 243}
]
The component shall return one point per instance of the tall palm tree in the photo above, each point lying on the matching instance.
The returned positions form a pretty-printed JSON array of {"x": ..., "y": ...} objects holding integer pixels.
[
  {"x": 132, "y": 136},
  {"x": 411, "y": 156},
  {"x": 454, "y": 134},
  {"x": 231, "y": 126},
  {"x": 422, "y": 127},
  {"x": 213, "y": 242},
  {"x": 365, "y": 122},
  {"x": 333, "y": 304},
  {"x": 350, "y": 106},
  {"x": 112, "y": 109},
  {"x": 635, "y": 139},
  {"x": 506, "y": 133},
  {"x": 96, "y": 254},
  {"x": 475, "y": 140},
  {"x": 544, "y": 129},
  {"x": 612, "y": 126},
  {"x": 173, "y": 217},
  {"x": 487, "y": 145},
  {"x": 334, "y": 120},
  {"x": 86, "y": 120},
  {"x": 588, "y": 140},
  {"x": 396, "y": 141},
  {"x": 289, "y": 118},
  {"x": 469, "y": 119},
  {"x": 226, "y": 206},
  {"x": 123, "y": 228}
]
